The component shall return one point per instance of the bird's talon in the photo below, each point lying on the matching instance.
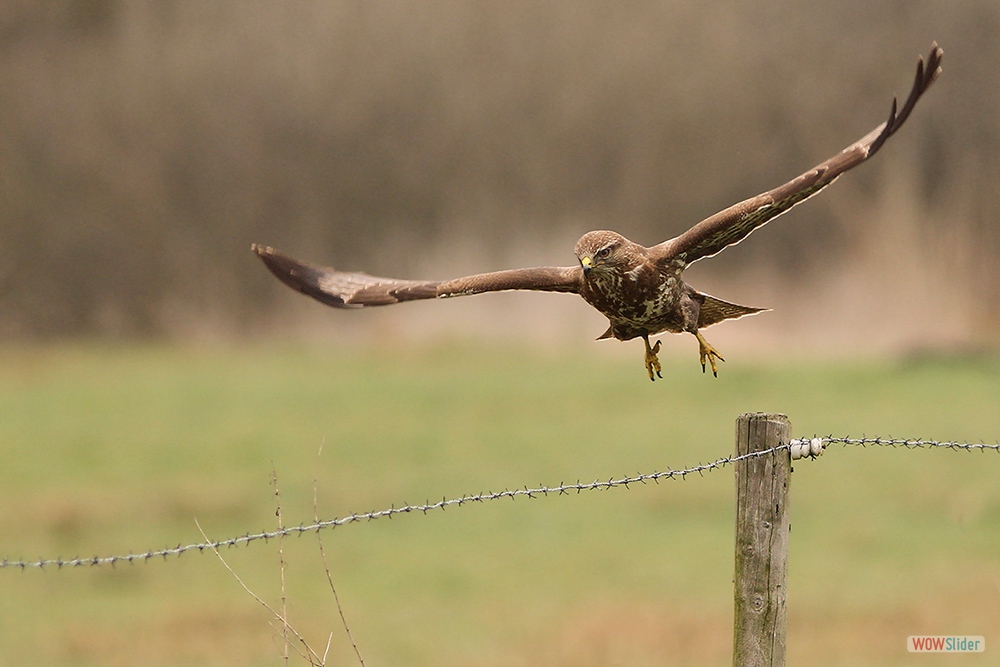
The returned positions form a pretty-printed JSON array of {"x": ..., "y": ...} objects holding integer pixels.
[
  {"x": 708, "y": 353},
  {"x": 652, "y": 362}
]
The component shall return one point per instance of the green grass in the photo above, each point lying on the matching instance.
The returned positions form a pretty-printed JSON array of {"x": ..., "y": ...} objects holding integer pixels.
[{"x": 108, "y": 450}]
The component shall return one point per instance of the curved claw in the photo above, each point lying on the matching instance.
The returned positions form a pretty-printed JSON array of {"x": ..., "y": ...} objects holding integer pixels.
[{"x": 709, "y": 353}]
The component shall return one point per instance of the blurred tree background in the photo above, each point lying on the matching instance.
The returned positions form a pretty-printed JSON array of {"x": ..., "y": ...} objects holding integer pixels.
[{"x": 144, "y": 146}]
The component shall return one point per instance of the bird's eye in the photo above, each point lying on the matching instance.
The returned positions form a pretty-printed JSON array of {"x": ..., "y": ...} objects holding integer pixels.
[{"x": 603, "y": 252}]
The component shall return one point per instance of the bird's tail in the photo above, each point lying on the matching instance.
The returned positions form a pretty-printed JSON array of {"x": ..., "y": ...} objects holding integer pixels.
[{"x": 715, "y": 310}]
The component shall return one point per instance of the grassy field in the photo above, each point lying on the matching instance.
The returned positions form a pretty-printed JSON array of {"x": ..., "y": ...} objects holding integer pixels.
[{"x": 108, "y": 450}]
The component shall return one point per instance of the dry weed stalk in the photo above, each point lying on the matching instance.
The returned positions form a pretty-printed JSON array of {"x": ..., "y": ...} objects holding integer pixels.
[{"x": 289, "y": 635}]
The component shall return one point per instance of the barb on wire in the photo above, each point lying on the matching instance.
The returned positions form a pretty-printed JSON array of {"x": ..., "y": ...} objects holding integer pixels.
[{"x": 800, "y": 448}]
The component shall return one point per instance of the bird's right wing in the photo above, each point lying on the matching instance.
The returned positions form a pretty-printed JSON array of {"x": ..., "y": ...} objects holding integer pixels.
[{"x": 358, "y": 290}]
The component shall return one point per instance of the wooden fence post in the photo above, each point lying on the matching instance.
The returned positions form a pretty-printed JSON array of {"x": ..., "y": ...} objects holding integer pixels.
[{"x": 762, "y": 527}]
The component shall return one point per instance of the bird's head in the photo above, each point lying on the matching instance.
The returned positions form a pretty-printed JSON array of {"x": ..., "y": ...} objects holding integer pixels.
[{"x": 603, "y": 251}]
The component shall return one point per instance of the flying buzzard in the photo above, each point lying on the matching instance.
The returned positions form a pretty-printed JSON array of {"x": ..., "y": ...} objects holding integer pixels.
[{"x": 638, "y": 289}]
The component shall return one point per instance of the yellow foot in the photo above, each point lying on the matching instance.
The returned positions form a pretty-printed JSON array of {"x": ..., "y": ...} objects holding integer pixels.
[
  {"x": 652, "y": 362},
  {"x": 707, "y": 352}
]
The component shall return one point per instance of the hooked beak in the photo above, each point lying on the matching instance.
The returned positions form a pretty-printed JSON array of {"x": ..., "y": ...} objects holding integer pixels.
[{"x": 587, "y": 263}]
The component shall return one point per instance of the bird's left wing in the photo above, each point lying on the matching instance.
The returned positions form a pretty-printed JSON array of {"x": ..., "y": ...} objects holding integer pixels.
[
  {"x": 356, "y": 290},
  {"x": 735, "y": 223}
]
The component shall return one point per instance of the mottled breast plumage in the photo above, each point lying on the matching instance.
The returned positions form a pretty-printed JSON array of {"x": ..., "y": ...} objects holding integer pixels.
[{"x": 638, "y": 295}]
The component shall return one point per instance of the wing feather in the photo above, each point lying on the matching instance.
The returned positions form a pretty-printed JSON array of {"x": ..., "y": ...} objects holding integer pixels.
[
  {"x": 357, "y": 290},
  {"x": 735, "y": 223}
]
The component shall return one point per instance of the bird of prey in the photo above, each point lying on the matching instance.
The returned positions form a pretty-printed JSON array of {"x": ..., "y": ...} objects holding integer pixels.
[{"x": 638, "y": 289}]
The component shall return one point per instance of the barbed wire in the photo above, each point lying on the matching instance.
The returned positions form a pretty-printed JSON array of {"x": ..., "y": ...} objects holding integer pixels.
[
  {"x": 909, "y": 443},
  {"x": 799, "y": 447}
]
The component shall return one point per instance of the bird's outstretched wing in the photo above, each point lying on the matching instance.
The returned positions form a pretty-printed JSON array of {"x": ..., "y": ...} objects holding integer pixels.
[
  {"x": 357, "y": 290},
  {"x": 735, "y": 223}
]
